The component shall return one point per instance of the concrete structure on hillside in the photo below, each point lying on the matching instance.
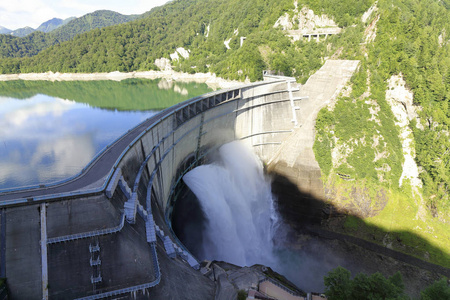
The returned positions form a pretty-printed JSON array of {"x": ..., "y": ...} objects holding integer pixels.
[{"x": 316, "y": 34}]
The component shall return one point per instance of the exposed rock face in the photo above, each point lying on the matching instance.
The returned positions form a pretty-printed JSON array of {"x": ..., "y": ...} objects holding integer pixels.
[
  {"x": 442, "y": 38},
  {"x": 163, "y": 64},
  {"x": 180, "y": 52},
  {"x": 305, "y": 22},
  {"x": 371, "y": 31},
  {"x": 358, "y": 200},
  {"x": 227, "y": 42},
  {"x": 306, "y": 19},
  {"x": 365, "y": 17},
  {"x": 401, "y": 101}
]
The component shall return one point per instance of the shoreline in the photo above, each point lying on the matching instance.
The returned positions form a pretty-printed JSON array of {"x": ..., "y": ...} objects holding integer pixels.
[{"x": 210, "y": 79}]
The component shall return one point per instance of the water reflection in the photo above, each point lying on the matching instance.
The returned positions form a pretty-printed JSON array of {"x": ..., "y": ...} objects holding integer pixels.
[{"x": 46, "y": 138}]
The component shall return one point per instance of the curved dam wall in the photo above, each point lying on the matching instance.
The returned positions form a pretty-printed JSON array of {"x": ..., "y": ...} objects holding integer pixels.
[
  {"x": 261, "y": 115},
  {"x": 96, "y": 244}
]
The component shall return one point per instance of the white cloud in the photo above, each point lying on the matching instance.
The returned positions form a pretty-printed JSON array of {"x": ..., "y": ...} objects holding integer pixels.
[
  {"x": 51, "y": 160},
  {"x": 68, "y": 155},
  {"x": 17, "y": 115},
  {"x": 20, "y": 13}
]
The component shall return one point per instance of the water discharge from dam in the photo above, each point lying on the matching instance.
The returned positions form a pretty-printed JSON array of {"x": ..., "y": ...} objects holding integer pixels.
[
  {"x": 235, "y": 197},
  {"x": 229, "y": 213}
]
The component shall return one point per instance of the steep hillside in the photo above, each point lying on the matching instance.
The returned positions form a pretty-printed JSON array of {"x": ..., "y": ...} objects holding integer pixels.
[{"x": 387, "y": 138}]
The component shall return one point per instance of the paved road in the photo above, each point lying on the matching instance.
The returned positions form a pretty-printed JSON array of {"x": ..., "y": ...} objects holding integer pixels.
[
  {"x": 98, "y": 170},
  {"x": 314, "y": 230}
]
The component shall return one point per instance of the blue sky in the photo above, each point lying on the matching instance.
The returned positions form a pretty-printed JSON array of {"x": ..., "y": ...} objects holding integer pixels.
[{"x": 20, "y": 13}]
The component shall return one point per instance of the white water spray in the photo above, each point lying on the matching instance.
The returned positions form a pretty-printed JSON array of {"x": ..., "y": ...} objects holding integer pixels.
[{"x": 237, "y": 201}]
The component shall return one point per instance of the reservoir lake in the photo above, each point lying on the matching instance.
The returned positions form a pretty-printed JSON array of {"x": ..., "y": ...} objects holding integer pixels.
[{"x": 49, "y": 131}]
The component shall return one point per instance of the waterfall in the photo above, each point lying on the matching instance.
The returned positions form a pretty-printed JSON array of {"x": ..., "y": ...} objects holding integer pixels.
[{"x": 236, "y": 199}]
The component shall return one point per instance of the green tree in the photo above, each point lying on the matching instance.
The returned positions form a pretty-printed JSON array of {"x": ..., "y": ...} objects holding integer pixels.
[
  {"x": 339, "y": 285},
  {"x": 439, "y": 290}
]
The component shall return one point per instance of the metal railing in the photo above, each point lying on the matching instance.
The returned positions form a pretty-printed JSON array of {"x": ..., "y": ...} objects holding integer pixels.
[
  {"x": 135, "y": 288},
  {"x": 89, "y": 234}
]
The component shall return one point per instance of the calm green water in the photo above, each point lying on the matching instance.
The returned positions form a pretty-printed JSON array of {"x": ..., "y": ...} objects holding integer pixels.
[{"x": 50, "y": 130}]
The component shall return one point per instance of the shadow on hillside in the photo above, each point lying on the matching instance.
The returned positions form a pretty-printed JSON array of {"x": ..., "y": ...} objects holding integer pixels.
[
  {"x": 307, "y": 215},
  {"x": 306, "y": 249}
]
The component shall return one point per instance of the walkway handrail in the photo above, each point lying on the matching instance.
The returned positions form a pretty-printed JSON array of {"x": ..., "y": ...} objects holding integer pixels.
[
  {"x": 132, "y": 288},
  {"x": 84, "y": 235}
]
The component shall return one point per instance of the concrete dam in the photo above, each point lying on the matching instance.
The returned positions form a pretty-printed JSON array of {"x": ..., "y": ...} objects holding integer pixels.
[{"x": 107, "y": 231}]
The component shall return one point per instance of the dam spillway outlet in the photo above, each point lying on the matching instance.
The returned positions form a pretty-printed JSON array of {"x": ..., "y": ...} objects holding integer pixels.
[{"x": 226, "y": 212}]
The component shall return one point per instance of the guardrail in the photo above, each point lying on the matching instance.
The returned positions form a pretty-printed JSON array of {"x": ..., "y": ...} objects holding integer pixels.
[
  {"x": 89, "y": 234},
  {"x": 132, "y": 288}
]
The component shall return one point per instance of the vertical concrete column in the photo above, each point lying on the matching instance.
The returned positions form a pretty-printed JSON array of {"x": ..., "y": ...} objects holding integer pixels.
[
  {"x": 2, "y": 243},
  {"x": 44, "y": 251},
  {"x": 291, "y": 98}
]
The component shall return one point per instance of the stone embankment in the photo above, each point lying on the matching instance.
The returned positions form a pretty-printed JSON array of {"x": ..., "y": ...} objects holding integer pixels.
[{"x": 210, "y": 79}]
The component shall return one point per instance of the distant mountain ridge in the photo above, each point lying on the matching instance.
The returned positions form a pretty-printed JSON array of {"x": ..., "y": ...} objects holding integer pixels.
[
  {"x": 53, "y": 24},
  {"x": 45, "y": 27},
  {"x": 21, "y": 32},
  {"x": 4, "y": 30},
  {"x": 50, "y": 25},
  {"x": 97, "y": 19}
]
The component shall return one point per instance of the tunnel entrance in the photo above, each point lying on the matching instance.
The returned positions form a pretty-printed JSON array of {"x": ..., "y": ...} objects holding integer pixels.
[{"x": 189, "y": 221}]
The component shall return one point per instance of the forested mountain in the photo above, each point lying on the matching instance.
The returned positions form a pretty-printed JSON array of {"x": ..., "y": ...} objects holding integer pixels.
[
  {"x": 21, "y": 32},
  {"x": 97, "y": 19},
  {"x": 52, "y": 24},
  {"x": 404, "y": 38},
  {"x": 31, "y": 42}
]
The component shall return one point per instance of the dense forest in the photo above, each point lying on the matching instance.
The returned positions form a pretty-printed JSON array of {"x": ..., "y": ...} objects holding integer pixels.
[
  {"x": 340, "y": 286},
  {"x": 412, "y": 39},
  {"x": 34, "y": 41}
]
